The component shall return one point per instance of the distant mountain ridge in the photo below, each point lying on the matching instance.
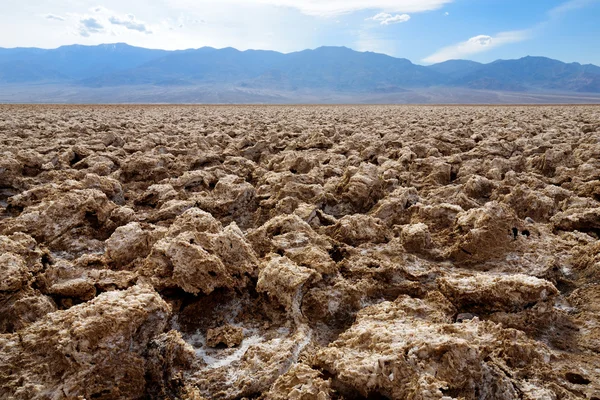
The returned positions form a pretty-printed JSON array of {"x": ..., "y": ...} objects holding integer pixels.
[{"x": 325, "y": 69}]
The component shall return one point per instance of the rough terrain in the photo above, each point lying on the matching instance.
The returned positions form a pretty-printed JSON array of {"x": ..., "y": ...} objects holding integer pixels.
[{"x": 301, "y": 252}]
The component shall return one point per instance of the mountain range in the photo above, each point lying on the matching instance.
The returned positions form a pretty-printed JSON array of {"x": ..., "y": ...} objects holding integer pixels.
[{"x": 125, "y": 73}]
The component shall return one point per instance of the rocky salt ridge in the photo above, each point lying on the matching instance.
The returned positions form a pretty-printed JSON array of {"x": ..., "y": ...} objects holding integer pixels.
[{"x": 299, "y": 252}]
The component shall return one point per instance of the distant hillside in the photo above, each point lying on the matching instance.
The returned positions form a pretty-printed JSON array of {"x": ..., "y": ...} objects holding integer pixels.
[
  {"x": 321, "y": 74},
  {"x": 71, "y": 63},
  {"x": 455, "y": 69},
  {"x": 531, "y": 73}
]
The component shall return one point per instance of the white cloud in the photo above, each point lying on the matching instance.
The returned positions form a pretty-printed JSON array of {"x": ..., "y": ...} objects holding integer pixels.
[
  {"x": 54, "y": 17},
  {"x": 387, "y": 19},
  {"x": 570, "y": 6},
  {"x": 282, "y": 25},
  {"x": 87, "y": 26},
  {"x": 480, "y": 41},
  {"x": 328, "y": 8},
  {"x": 476, "y": 44},
  {"x": 105, "y": 21},
  {"x": 130, "y": 23},
  {"x": 446, "y": 13}
]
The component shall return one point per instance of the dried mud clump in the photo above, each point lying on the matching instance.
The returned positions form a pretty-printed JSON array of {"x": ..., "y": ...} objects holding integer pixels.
[{"x": 302, "y": 253}]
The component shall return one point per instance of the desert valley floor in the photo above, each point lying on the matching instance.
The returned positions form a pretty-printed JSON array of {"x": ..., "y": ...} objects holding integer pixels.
[{"x": 299, "y": 252}]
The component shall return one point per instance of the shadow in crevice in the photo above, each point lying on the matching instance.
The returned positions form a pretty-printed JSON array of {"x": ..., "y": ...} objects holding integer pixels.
[{"x": 345, "y": 391}]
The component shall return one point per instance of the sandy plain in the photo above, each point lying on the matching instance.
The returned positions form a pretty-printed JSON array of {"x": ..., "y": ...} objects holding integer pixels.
[{"x": 299, "y": 252}]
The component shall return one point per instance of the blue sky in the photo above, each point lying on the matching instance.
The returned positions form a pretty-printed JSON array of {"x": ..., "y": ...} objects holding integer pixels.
[{"x": 424, "y": 31}]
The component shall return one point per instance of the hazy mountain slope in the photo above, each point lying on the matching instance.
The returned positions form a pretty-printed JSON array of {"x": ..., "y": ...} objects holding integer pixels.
[
  {"x": 76, "y": 61},
  {"x": 24, "y": 71},
  {"x": 206, "y": 65},
  {"x": 455, "y": 69},
  {"x": 533, "y": 73},
  {"x": 340, "y": 68},
  {"x": 335, "y": 68},
  {"x": 318, "y": 74},
  {"x": 82, "y": 61}
]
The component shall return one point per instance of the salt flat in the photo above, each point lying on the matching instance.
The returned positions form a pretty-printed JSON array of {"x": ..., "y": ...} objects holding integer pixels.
[{"x": 402, "y": 252}]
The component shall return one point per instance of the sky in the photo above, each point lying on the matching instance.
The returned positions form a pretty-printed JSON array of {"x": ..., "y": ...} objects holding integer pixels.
[{"x": 424, "y": 31}]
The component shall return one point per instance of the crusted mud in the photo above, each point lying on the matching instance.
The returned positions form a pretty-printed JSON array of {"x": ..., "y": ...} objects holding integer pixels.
[{"x": 311, "y": 252}]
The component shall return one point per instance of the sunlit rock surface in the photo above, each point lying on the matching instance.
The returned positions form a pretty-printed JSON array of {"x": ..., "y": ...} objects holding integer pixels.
[{"x": 309, "y": 252}]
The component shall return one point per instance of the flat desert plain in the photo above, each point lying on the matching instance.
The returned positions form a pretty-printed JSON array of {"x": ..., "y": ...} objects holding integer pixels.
[{"x": 299, "y": 252}]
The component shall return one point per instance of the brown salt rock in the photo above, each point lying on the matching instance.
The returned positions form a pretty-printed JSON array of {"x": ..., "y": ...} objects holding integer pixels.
[
  {"x": 394, "y": 208},
  {"x": 232, "y": 199},
  {"x": 194, "y": 220},
  {"x": 359, "y": 229},
  {"x": 168, "y": 359},
  {"x": 194, "y": 180},
  {"x": 199, "y": 260},
  {"x": 128, "y": 243},
  {"x": 484, "y": 234},
  {"x": 301, "y": 382},
  {"x": 577, "y": 219},
  {"x": 122, "y": 216},
  {"x": 168, "y": 211},
  {"x": 251, "y": 370},
  {"x": 294, "y": 161},
  {"x": 31, "y": 160},
  {"x": 312, "y": 257},
  {"x": 38, "y": 193},
  {"x": 22, "y": 308},
  {"x": 437, "y": 216},
  {"x": 439, "y": 172},
  {"x": 410, "y": 349},
  {"x": 157, "y": 195},
  {"x": 81, "y": 278},
  {"x": 295, "y": 238},
  {"x": 559, "y": 155},
  {"x": 262, "y": 237},
  {"x": 308, "y": 213},
  {"x": 416, "y": 238},
  {"x": 283, "y": 280},
  {"x": 311, "y": 166},
  {"x": 78, "y": 288},
  {"x": 530, "y": 203},
  {"x": 10, "y": 170},
  {"x": 143, "y": 167},
  {"x": 110, "y": 187},
  {"x": 357, "y": 191},
  {"x": 191, "y": 267},
  {"x": 496, "y": 292},
  {"x": 586, "y": 301},
  {"x": 96, "y": 164},
  {"x": 307, "y": 189},
  {"x": 230, "y": 336},
  {"x": 364, "y": 188},
  {"x": 93, "y": 350},
  {"x": 14, "y": 274},
  {"x": 479, "y": 187},
  {"x": 20, "y": 264},
  {"x": 62, "y": 216}
]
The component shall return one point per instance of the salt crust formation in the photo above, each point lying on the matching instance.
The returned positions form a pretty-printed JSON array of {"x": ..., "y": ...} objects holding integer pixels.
[{"x": 303, "y": 253}]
